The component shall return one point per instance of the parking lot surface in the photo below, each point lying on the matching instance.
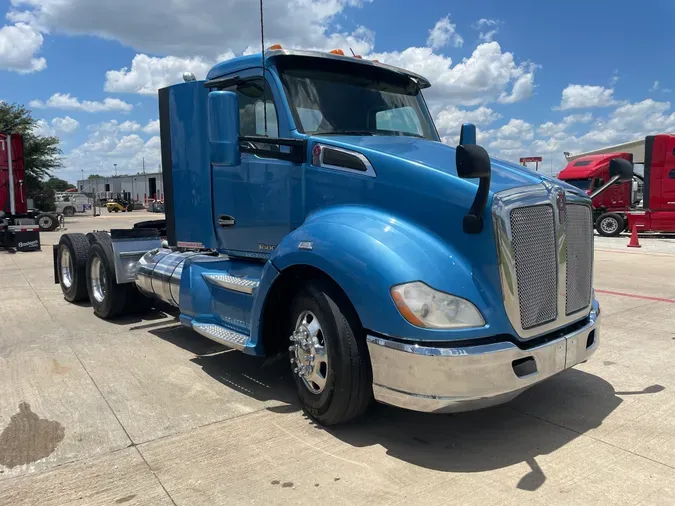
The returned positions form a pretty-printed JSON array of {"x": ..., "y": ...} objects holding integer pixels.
[{"x": 143, "y": 411}]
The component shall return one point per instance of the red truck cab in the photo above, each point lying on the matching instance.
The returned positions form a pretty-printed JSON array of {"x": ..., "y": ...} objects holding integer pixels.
[
  {"x": 615, "y": 206},
  {"x": 658, "y": 214}
]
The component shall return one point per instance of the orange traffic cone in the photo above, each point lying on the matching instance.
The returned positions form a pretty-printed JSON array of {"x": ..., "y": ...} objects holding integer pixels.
[{"x": 634, "y": 243}]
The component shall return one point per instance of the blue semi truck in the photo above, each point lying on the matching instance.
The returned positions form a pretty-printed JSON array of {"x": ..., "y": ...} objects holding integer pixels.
[{"x": 312, "y": 211}]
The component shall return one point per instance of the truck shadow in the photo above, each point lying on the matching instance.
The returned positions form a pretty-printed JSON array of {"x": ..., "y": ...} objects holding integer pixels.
[{"x": 541, "y": 421}]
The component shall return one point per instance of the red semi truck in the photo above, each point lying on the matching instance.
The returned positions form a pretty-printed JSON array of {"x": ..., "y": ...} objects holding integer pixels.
[
  {"x": 616, "y": 205},
  {"x": 19, "y": 226}
]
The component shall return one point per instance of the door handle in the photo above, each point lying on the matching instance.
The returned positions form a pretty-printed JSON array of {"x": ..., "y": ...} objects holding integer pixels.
[{"x": 225, "y": 220}]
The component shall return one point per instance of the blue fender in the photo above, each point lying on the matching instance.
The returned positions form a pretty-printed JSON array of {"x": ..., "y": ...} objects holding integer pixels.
[{"x": 366, "y": 252}]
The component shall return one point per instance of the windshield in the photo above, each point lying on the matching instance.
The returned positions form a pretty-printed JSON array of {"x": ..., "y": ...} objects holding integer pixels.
[
  {"x": 343, "y": 98},
  {"x": 582, "y": 184}
]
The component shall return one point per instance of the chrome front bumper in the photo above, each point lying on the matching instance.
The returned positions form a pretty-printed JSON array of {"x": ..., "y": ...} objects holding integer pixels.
[{"x": 446, "y": 380}]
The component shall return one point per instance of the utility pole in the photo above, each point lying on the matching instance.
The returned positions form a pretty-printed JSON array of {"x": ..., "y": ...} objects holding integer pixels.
[{"x": 115, "y": 168}]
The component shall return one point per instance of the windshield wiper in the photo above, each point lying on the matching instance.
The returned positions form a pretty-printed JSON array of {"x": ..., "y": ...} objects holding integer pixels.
[{"x": 345, "y": 132}]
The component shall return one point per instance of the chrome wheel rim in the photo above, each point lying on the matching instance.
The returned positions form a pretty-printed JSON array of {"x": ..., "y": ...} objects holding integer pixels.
[
  {"x": 66, "y": 267},
  {"x": 609, "y": 225},
  {"x": 45, "y": 222},
  {"x": 309, "y": 356},
  {"x": 98, "y": 279}
]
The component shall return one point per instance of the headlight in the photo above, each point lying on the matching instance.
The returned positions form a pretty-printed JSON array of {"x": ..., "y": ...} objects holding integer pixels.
[{"x": 425, "y": 307}]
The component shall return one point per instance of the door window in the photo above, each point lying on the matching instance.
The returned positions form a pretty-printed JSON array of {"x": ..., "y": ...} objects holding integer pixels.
[{"x": 252, "y": 105}]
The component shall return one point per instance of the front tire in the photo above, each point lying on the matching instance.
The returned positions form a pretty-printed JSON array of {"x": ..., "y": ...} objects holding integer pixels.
[
  {"x": 329, "y": 356},
  {"x": 69, "y": 211},
  {"x": 610, "y": 225}
]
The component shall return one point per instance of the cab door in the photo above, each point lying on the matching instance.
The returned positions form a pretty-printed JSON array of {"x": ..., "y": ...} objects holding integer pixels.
[{"x": 252, "y": 201}]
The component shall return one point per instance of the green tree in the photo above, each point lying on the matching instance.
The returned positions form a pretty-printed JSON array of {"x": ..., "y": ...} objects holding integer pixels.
[
  {"x": 94, "y": 176},
  {"x": 58, "y": 185},
  {"x": 41, "y": 154}
]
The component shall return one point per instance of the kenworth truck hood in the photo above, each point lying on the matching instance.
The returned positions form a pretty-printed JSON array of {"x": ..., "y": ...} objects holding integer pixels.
[{"x": 439, "y": 156}]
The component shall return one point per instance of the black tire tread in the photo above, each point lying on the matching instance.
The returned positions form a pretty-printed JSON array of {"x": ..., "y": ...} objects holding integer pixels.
[
  {"x": 117, "y": 294},
  {"x": 54, "y": 218},
  {"x": 78, "y": 244},
  {"x": 620, "y": 220},
  {"x": 354, "y": 400}
]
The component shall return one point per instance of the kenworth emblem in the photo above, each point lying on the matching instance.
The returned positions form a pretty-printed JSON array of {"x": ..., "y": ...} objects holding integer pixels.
[{"x": 561, "y": 202}]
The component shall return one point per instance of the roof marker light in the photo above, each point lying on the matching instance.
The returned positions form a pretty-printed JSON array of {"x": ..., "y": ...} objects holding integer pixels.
[
  {"x": 274, "y": 47},
  {"x": 338, "y": 52}
]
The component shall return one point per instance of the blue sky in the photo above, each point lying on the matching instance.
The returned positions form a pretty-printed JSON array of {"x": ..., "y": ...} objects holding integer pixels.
[{"x": 538, "y": 78}]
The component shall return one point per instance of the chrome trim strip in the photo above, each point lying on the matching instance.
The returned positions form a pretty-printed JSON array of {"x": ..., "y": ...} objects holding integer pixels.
[
  {"x": 233, "y": 283},
  {"x": 503, "y": 203},
  {"x": 369, "y": 172}
]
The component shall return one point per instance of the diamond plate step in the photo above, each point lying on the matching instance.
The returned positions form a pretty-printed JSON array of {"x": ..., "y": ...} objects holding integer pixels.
[
  {"x": 221, "y": 335},
  {"x": 242, "y": 285}
]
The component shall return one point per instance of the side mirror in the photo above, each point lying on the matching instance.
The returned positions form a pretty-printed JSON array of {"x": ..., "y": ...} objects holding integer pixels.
[
  {"x": 473, "y": 162},
  {"x": 467, "y": 135},
  {"x": 223, "y": 111},
  {"x": 621, "y": 168}
]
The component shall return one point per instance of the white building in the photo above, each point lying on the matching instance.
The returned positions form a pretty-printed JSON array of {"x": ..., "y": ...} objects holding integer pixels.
[{"x": 141, "y": 186}]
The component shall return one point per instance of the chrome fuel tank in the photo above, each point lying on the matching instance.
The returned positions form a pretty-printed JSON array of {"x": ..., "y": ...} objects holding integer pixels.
[{"x": 158, "y": 274}]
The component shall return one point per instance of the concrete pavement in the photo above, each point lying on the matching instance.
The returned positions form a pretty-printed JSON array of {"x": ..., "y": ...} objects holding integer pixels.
[{"x": 143, "y": 411}]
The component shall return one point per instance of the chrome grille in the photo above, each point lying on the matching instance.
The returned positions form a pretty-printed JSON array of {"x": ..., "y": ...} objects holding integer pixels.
[
  {"x": 534, "y": 249},
  {"x": 579, "y": 255}
]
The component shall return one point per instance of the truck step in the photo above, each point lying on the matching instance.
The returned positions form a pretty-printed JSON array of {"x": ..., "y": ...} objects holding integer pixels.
[
  {"x": 221, "y": 335},
  {"x": 243, "y": 285}
]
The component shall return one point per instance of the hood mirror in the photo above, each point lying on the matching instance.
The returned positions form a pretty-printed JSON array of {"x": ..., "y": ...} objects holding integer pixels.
[
  {"x": 473, "y": 162},
  {"x": 621, "y": 168}
]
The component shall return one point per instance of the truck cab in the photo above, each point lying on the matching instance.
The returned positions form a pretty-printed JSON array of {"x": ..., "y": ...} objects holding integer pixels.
[
  {"x": 313, "y": 213},
  {"x": 591, "y": 173},
  {"x": 648, "y": 202}
]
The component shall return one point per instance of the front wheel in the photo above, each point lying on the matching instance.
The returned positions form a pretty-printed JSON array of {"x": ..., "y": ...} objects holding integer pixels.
[
  {"x": 329, "y": 356},
  {"x": 69, "y": 211},
  {"x": 609, "y": 225}
]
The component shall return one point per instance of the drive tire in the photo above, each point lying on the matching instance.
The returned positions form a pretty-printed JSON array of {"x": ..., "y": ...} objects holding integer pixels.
[
  {"x": 610, "y": 225},
  {"x": 47, "y": 222},
  {"x": 109, "y": 300},
  {"x": 69, "y": 211},
  {"x": 77, "y": 246},
  {"x": 348, "y": 388}
]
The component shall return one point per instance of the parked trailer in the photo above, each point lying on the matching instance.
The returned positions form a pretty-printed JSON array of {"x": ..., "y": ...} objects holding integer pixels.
[{"x": 382, "y": 263}]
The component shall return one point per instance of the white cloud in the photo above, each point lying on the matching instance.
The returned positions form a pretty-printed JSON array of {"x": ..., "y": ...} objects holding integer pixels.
[
  {"x": 147, "y": 73},
  {"x": 550, "y": 128},
  {"x": 152, "y": 127},
  {"x": 577, "y": 96},
  {"x": 490, "y": 26},
  {"x": 654, "y": 87},
  {"x": 58, "y": 127},
  {"x": 67, "y": 102},
  {"x": 129, "y": 126},
  {"x": 18, "y": 45},
  {"x": 485, "y": 76},
  {"x": 450, "y": 120},
  {"x": 197, "y": 27},
  {"x": 111, "y": 143},
  {"x": 501, "y": 144},
  {"x": 442, "y": 33},
  {"x": 516, "y": 129},
  {"x": 522, "y": 90}
]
